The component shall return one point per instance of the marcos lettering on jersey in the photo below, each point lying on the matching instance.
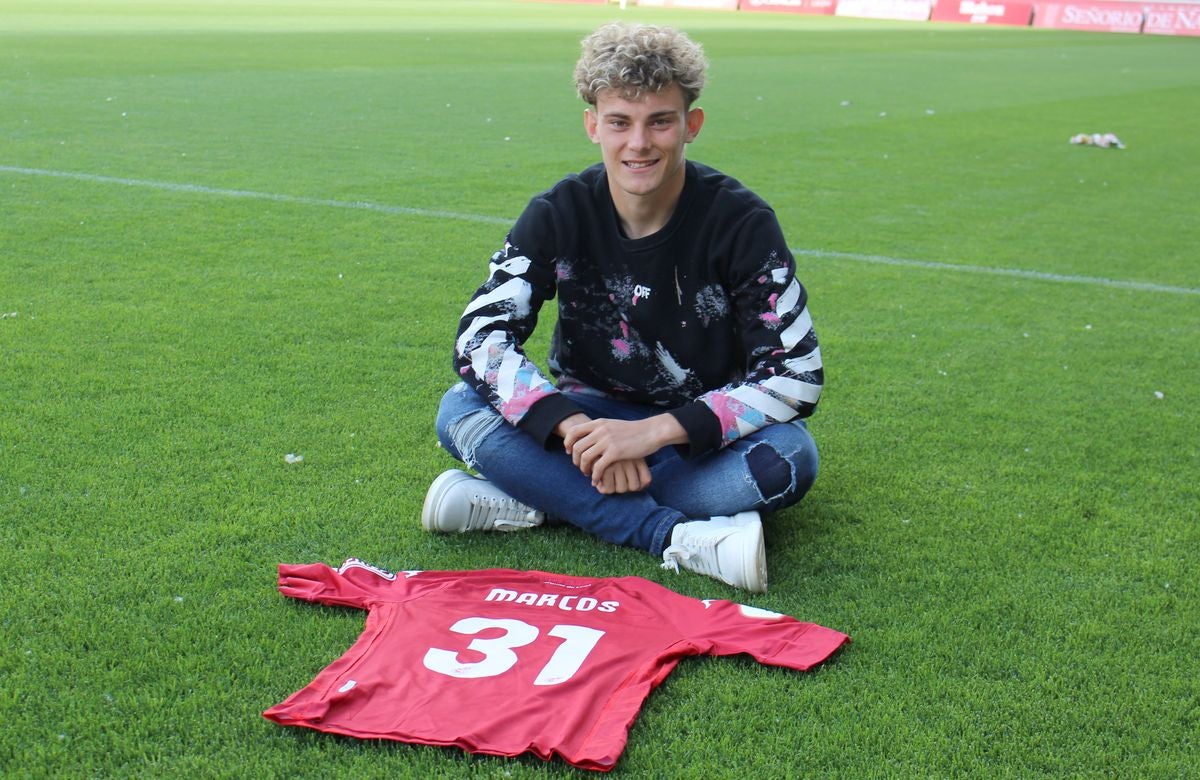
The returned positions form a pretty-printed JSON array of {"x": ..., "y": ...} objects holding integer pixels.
[{"x": 566, "y": 603}]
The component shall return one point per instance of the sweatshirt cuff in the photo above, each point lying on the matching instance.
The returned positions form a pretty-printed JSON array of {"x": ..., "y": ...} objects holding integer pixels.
[
  {"x": 541, "y": 419},
  {"x": 702, "y": 427}
]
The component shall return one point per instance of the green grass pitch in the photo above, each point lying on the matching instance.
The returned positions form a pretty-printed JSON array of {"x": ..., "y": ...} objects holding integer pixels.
[{"x": 234, "y": 231}]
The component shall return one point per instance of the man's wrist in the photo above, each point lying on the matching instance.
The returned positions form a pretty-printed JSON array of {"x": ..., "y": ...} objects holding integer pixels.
[
  {"x": 668, "y": 430},
  {"x": 567, "y": 423}
]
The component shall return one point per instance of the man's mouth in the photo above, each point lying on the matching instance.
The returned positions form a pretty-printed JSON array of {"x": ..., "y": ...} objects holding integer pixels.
[{"x": 639, "y": 165}]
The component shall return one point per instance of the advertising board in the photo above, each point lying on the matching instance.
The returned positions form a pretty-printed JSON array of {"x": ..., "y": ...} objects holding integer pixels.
[
  {"x": 905, "y": 10},
  {"x": 1172, "y": 19},
  {"x": 1094, "y": 16},
  {"x": 712, "y": 5},
  {"x": 790, "y": 6},
  {"x": 983, "y": 12}
]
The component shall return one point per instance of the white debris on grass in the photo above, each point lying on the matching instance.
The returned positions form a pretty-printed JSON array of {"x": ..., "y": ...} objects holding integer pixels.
[
  {"x": 1101, "y": 140},
  {"x": 292, "y": 457},
  {"x": 1159, "y": 394}
]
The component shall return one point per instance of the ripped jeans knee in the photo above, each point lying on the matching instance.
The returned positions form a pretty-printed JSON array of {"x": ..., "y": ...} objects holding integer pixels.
[
  {"x": 781, "y": 477},
  {"x": 464, "y": 421}
]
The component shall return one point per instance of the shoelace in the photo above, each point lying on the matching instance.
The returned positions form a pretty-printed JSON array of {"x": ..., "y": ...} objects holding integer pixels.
[
  {"x": 672, "y": 556},
  {"x": 491, "y": 511},
  {"x": 699, "y": 552}
]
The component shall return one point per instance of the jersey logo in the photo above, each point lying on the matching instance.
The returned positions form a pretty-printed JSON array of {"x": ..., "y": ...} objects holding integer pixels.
[
  {"x": 747, "y": 611},
  {"x": 756, "y": 612}
]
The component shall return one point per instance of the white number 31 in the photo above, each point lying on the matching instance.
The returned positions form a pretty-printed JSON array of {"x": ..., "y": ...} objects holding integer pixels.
[{"x": 498, "y": 655}]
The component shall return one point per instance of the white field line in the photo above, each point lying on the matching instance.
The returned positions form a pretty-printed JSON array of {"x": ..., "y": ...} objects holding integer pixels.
[
  {"x": 198, "y": 189},
  {"x": 1019, "y": 273},
  {"x": 901, "y": 262}
]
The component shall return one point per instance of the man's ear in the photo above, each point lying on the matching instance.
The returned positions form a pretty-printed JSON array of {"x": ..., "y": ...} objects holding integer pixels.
[
  {"x": 695, "y": 120},
  {"x": 590, "y": 121}
]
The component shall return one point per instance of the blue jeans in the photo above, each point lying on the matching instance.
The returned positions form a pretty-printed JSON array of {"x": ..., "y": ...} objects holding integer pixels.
[{"x": 769, "y": 469}]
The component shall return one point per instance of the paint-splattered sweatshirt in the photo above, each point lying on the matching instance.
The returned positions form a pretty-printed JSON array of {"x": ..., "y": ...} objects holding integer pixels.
[{"x": 704, "y": 319}]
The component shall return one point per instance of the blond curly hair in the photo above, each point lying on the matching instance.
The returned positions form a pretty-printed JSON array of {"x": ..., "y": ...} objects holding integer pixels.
[{"x": 638, "y": 58}]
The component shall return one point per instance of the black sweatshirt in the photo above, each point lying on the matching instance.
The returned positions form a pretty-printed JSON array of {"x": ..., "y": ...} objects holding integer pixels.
[{"x": 704, "y": 318}]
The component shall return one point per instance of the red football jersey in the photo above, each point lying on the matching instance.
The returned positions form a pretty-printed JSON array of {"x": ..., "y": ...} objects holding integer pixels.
[{"x": 507, "y": 662}]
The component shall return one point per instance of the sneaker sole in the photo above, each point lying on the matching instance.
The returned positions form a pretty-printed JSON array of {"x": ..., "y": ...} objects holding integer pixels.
[{"x": 754, "y": 562}]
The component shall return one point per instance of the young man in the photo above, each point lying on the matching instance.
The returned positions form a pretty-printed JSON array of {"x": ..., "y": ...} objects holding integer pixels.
[{"x": 684, "y": 354}]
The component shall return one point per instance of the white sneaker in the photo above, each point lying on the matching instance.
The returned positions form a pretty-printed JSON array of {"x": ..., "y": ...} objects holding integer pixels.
[
  {"x": 458, "y": 501},
  {"x": 729, "y": 549}
]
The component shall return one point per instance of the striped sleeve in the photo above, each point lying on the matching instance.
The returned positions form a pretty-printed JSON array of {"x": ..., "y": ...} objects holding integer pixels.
[
  {"x": 501, "y": 315},
  {"x": 784, "y": 376}
]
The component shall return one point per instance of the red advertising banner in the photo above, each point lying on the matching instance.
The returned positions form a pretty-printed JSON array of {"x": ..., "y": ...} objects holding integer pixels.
[
  {"x": 905, "y": 10},
  {"x": 983, "y": 12},
  {"x": 790, "y": 6},
  {"x": 712, "y": 5},
  {"x": 1095, "y": 16},
  {"x": 1172, "y": 19}
]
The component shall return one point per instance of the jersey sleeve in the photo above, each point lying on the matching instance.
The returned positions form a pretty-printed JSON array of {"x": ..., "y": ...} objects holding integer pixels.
[
  {"x": 353, "y": 584},
  {"x": 785, "y": 375},
  {"x": 728, "y": 628}
]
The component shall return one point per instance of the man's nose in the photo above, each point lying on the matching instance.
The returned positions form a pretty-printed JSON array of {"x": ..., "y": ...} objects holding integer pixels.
[{"x": 639, "y": 138}]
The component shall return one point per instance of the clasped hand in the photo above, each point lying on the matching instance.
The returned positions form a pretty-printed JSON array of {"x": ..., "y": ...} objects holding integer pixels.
[{"x": 613, "y": 452}]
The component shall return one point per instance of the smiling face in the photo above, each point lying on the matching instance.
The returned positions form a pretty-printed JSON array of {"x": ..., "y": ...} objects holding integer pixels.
[{"x": 642, "y": 144}]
